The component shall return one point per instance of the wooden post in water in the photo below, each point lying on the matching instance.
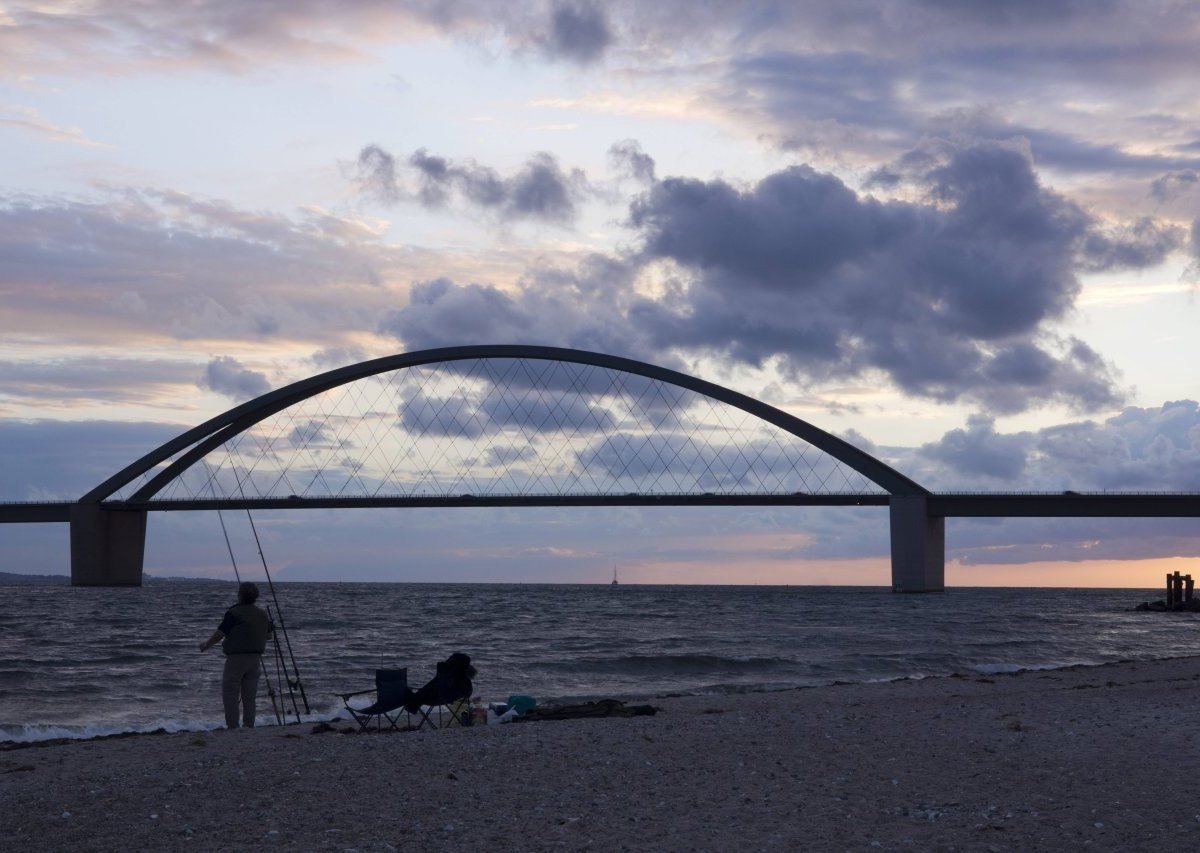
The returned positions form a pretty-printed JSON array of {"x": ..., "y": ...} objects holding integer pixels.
[
  {"x": 1188, "y": 586},
  {"x": 1174, "y": 589}
]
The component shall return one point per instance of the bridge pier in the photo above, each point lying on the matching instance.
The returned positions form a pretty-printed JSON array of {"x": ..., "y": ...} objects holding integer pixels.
[
  {"x": 107, "y": 546},
  {"x": 918, "y": 546}
]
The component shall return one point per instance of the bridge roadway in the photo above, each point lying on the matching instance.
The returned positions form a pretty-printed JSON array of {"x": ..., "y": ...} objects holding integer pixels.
[
  {"x": 945, "y": 505},
  {"x": 108, "y": 537}
]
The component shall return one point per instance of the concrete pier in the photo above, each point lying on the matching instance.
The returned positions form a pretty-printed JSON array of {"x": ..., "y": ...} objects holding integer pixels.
[
  {"x": 107, "y": 546},
  {"x": 918, "y": 546}
]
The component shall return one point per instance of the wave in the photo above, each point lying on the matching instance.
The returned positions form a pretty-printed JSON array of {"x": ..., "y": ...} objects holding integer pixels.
[
  {"x": 17, "y": 733},
  {"x": 684, "y": 664}
]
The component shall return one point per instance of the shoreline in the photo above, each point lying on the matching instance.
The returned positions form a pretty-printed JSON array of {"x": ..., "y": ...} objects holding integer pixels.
[
  {"x": 1099, "y": 756},
  {"x": 337, "y": 717}
]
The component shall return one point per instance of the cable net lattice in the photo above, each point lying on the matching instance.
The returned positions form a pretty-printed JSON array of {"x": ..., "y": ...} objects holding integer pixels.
[{"x": 511, "y": 427}]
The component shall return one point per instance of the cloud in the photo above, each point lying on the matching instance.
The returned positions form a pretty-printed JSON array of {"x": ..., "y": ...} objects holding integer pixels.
[
  {"x": 580, "y": 308},
  {"x": 331, "y": 357},
  {"x": 978, "y": 451},
  {"x": 71, "y": 382},
  {"x": 455, "y": 417},
  {"x": 578, "y": 33},
  {"x": 62, "y": 460},
  {"x": 1172, "y": 185},
  {"x": 1140, "y": 449},
  {"x": 440, "y": 312},
  {"x": 540, "y": 190},
  {"x": 162, "y": 265},
  {"x": 312, "y": 434},
  {"x": 1059, "y": 149},
  {"x": 375, "y": 174},
  {"x": 225, "y": 375},
  {"x": 952, "y": 299},
  {"x": 956, "y": 297},
  {"x": 628, "y": 157},
  {"x": 28, "y": 119},
  {"x": 1137, "y": 245}
]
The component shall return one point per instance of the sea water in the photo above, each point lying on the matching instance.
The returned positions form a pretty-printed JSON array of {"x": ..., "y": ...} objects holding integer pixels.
[{"x": 77, "y": 662}]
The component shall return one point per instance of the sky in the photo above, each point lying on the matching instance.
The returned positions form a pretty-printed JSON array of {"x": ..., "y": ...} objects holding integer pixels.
[{"x": 964, "y": 236}]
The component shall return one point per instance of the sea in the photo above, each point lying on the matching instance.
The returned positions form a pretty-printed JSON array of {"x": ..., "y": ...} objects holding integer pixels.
[{"x": 78, "y": 662}]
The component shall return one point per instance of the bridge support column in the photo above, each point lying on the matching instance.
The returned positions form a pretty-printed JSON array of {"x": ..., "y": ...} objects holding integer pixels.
[
  {"x": 918, "y": 546},
  {"x": 107, "y": 546}
]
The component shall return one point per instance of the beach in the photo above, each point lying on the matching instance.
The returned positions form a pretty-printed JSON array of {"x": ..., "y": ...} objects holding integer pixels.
[{"x": 1101, "y": 757}]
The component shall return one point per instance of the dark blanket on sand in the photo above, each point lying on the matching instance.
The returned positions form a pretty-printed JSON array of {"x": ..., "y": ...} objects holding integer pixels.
[{"x": 600, "y": 708}]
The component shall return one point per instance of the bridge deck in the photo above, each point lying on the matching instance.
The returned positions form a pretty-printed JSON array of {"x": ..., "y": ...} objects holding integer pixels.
[{"x": 947, "y": 505}]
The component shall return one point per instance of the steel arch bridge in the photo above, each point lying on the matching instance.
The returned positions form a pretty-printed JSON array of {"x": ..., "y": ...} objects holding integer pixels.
[
  {"x": 512, "y": 425},
  {"x": 480, "y": 426}
]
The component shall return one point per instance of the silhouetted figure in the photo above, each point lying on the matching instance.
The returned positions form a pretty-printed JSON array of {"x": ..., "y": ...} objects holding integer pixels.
[
  {"x": 243, "y": 636},
  {"x": 452, "y": 683}
]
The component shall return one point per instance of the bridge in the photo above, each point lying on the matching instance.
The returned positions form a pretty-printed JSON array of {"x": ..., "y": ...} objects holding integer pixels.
[{"x": 511, "y": 425}]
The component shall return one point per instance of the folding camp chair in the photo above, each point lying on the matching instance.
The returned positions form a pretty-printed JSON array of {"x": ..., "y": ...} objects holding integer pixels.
[
  {"x": 449, "y": 692},
  {"x": 391, "y": 691}
]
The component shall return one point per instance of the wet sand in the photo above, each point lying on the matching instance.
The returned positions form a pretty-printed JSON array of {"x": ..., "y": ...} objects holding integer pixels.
[{"x": 1102, "y": 758}]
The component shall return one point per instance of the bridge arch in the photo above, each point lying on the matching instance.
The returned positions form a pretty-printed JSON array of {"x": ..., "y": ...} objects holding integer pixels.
[
  {"x": 108, "y": 533},
  {"x": 194, "y": 444}
]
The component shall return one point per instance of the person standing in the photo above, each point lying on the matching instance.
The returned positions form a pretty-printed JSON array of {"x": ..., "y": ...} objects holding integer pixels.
[{"x": 243, "y": 636}]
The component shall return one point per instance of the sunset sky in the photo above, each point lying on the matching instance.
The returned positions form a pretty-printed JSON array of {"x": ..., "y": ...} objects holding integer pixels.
[{"x": 964, "y": 236}]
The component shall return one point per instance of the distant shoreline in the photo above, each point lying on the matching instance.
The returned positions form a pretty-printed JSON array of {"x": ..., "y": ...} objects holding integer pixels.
[{"x": 16, "y": 577}]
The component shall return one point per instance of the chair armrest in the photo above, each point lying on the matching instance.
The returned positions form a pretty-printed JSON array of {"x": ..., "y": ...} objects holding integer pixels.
[{"x": 345, "y": 696}]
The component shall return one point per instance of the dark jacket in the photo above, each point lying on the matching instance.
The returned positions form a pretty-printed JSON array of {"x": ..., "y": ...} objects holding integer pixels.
[{"x": 246, "y": 628}]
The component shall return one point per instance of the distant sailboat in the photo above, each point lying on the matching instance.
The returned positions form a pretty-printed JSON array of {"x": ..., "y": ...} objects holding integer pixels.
[{"x": 614, "y": 580}]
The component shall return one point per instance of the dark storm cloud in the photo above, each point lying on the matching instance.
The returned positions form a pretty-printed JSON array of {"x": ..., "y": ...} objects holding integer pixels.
[
  {"x": 581, "y": 308},
  {"x": 578, "y": 32},
  {"x": 440, "y": 313},
  {"x": 951, "y": 299},
  {"x": 225, "y": 375},
  {"x": 539, "y": 190}
]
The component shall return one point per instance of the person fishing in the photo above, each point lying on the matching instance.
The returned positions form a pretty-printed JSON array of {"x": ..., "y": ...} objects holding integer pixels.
[{"x": 243, "y": 635}]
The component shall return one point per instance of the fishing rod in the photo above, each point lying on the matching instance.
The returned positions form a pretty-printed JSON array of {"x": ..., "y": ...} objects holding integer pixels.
[
  {"x": 265, "y": 673},
  {"x": 286, "y": 640},
  {"x": 281, "y": 666},
  {"x": 281, "y": 673},
  {"x": 291, "y": 684}
]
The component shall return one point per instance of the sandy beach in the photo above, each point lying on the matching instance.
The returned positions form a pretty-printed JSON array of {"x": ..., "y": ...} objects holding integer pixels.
[{"x": 1099, "y": 758}]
